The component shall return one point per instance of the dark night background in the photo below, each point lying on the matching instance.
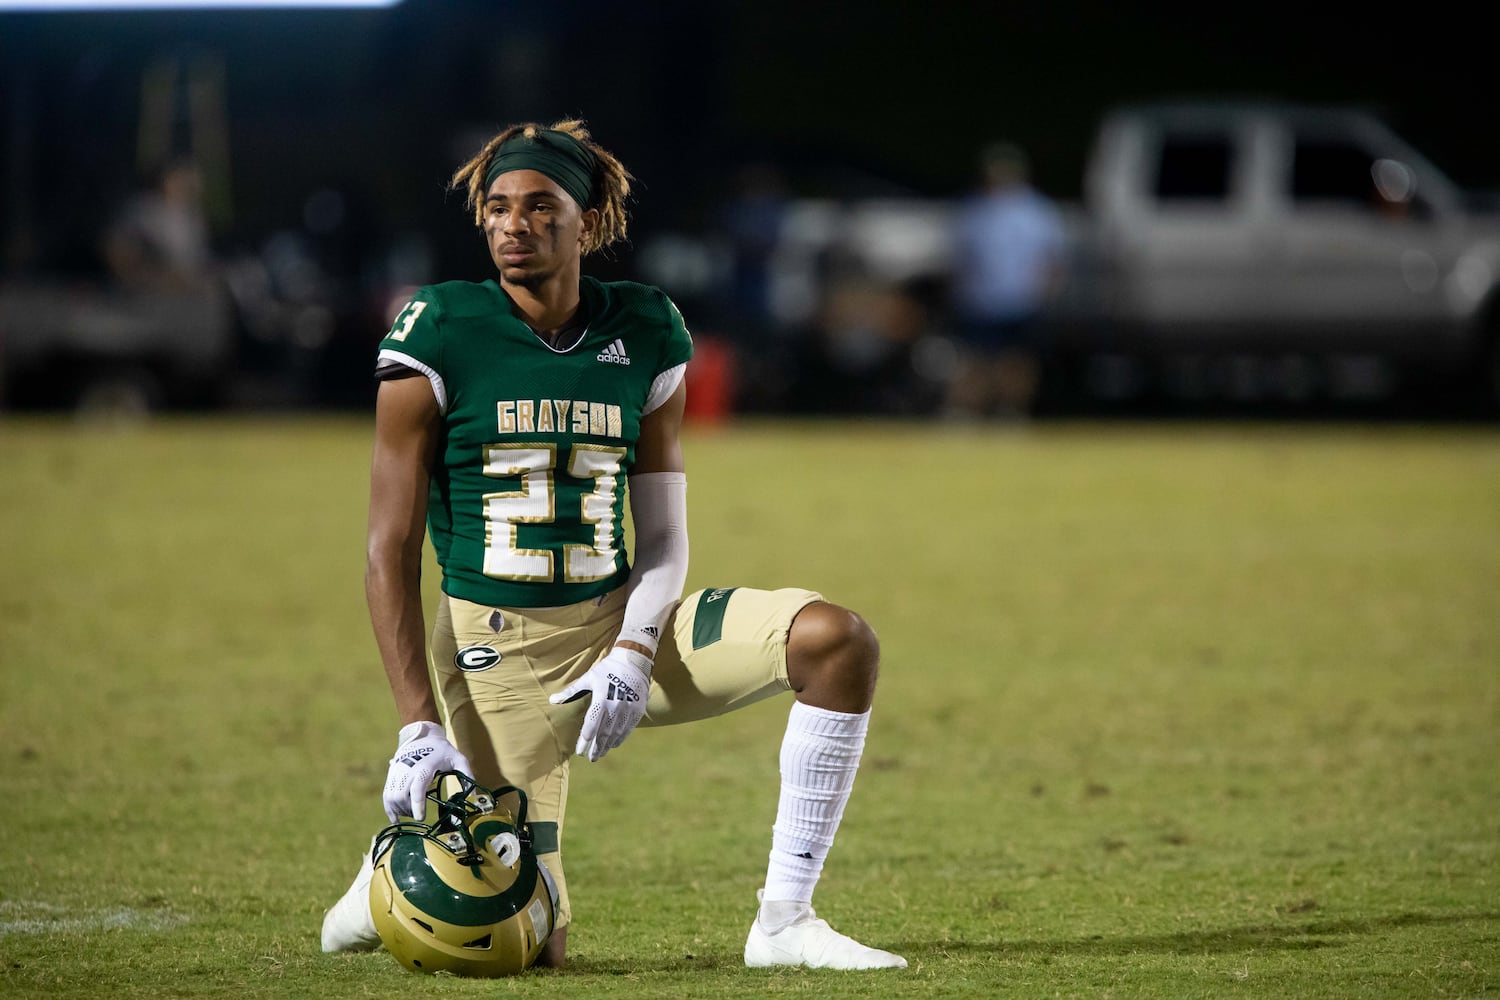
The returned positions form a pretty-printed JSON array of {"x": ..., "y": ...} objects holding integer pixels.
[{"x": 883, "y": 96}]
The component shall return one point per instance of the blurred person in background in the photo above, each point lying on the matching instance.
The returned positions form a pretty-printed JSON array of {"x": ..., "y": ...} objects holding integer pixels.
[
  {"x": 160, "y": 240},
  {"x": 753, "y": 220},
  {"x": 510, "y": 416},
  {"x": 864, "y": 353},
  {"x": 757, "y": 351},
  {"x": 1008, "y": 266}
]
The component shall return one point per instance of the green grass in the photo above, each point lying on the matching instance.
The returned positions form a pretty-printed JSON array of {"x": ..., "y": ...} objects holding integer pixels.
[{"x": 1177, "y": 711}]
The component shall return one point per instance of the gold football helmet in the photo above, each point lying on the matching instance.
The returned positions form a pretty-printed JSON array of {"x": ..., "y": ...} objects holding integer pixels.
[{"x": 466, "y": 893}]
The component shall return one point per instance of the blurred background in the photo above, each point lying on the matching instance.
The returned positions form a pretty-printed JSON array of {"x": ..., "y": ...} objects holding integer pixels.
[{"x": 949, "y": 210}]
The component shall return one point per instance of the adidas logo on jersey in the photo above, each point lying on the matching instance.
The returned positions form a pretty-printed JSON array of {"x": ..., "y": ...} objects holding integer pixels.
[{"x": 615, "y": 353}]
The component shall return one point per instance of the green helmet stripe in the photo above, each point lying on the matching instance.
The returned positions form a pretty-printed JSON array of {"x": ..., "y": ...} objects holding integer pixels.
[{"x": 413, "y": 875}]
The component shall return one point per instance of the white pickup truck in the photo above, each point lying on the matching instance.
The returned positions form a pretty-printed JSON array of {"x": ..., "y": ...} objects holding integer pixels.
[
  {"x": 1260, "y": 250},
  {"x": 1240, "y": 251}
]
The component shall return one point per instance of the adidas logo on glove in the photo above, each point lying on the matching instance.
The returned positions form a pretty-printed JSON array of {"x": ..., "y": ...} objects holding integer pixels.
[
  {"x": 411, "y": 757},
  {"x": 620, "y": 691}
]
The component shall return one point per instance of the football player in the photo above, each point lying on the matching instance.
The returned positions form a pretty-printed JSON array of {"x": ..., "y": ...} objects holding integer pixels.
[{"x": 510, "y": 417}]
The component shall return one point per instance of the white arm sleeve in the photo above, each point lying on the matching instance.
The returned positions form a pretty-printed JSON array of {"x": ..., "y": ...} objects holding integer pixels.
[{"x": 658, "y": 512}]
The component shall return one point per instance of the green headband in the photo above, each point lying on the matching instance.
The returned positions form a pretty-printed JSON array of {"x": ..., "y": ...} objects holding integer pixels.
[{"x": 555, "y": 154}]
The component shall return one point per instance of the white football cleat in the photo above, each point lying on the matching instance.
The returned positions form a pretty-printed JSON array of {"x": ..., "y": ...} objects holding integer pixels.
[
  {"x": 348, "y": 925},
  {"x": 810, "y": 942}
]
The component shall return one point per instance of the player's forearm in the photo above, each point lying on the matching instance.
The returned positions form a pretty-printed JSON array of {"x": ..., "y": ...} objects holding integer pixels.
[
  {"x": 658, "y": 503},
  {"x": 393, "y": 593}
]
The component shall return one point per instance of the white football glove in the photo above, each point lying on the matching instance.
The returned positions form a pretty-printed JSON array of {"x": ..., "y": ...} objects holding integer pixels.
[
  {"x": 618, "y": 685},
  {"x": 422, "y": 752}
]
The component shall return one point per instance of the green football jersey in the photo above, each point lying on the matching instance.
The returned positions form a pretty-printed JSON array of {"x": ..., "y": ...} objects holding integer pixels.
[{"x": 527, "y": 500}]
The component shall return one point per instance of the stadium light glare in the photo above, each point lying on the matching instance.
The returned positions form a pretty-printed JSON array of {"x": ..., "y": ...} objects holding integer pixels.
[{"x": 62, "y": 6}]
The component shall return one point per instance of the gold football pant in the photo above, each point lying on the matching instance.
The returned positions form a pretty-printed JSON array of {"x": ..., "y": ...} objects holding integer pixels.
[{"x": 722, "y": 649}]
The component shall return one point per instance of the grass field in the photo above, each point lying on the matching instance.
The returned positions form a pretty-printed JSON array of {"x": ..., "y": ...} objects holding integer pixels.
[{"x": 1175, "y": 711}]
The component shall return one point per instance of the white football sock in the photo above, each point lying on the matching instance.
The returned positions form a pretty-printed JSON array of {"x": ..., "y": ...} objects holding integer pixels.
[{"x": 819, "y": 758}]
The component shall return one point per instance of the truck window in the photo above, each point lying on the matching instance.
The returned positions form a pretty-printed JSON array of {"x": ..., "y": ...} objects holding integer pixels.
[
  {"x": 1193, "y": 168},
  {"x": 1337, "y": 171},
  {"x": 1332, "y": 170}
]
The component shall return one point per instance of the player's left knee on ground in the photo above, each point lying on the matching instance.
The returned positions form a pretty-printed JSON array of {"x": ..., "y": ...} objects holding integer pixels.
[{"x": 832, "y": 658}]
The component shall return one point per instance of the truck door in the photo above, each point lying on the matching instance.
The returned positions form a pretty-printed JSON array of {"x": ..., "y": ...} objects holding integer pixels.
[
  {"x": 1192, "y": 250},
  {"x": 1362, "y": 252}
]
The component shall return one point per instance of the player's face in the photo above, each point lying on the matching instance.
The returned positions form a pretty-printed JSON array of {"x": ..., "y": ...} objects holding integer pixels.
[{"x": 535, "y": 230}]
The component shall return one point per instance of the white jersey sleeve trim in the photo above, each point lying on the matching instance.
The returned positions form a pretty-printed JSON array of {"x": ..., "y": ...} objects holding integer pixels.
[
  {"x": 439, "y": 390},
  {"x": 663, "y": 386}
]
